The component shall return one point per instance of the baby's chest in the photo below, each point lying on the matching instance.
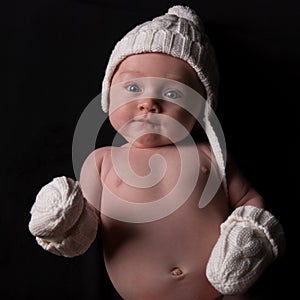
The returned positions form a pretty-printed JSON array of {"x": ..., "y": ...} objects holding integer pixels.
[{"x": 152, "y": 177}]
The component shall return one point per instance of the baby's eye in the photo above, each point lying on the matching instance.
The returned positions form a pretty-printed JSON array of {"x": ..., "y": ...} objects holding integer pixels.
[
  {"x": 134, "y": 88},
  {"x": 172, "y": 94}
]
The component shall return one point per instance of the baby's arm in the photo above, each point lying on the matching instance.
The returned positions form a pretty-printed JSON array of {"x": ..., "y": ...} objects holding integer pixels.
[
  {"x": 240, "y": 190},
  {"x": 90, "y": 179},
  {"x": 250, "y": 239}
]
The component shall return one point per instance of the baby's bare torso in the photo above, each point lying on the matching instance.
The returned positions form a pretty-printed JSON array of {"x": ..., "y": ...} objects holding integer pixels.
[{"x": 163, "y": 258}]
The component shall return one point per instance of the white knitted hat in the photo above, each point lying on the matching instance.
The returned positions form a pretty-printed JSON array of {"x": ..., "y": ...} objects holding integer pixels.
[{"x": 179, "y": 33}]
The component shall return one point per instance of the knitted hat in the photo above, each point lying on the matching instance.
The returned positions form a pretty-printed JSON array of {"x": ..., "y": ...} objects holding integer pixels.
[{"x": 179, "y": 33}]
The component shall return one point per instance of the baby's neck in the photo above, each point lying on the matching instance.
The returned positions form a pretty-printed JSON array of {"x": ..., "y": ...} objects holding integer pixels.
[{"x": 138, "y": 146}]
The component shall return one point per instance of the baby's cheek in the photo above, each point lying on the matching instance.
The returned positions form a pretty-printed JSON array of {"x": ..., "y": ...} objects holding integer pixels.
[{"x": 117, "y": 119}]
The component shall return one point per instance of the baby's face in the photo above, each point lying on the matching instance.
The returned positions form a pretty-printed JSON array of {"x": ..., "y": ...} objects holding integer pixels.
[{"x": 153, "y": 98}]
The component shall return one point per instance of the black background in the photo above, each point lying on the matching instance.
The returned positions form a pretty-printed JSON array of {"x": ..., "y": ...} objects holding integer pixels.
[{"x": 54, "y": 55}]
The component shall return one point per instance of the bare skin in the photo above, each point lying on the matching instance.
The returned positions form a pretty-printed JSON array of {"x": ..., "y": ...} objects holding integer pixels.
[{"x": 163, "y": 259}]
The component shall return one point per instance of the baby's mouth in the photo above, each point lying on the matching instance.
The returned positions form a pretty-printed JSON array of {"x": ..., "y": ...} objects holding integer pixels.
[
  {"x": 147, "y": 123},
  {"x": 146, "y": 119}
]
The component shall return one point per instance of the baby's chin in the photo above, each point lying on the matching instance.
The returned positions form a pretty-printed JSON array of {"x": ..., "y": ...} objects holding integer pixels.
[
  {"x": 153, "y": 140},
  {"x": 150, "y": 140}
]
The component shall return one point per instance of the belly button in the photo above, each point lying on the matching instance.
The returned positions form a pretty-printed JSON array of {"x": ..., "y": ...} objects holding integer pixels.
[{"x": 177, "y": 272}]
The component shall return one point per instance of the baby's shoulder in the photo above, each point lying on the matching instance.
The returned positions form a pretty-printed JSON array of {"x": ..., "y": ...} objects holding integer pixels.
[
  {"x": 100, "y": 153},
  {"x": 97, "y": 156}
]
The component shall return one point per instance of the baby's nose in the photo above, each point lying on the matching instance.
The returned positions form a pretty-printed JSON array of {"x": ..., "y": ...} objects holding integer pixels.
[{"x": 149, "y": 105}]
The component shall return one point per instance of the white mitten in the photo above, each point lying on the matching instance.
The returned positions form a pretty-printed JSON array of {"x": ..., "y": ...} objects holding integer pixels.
[
  {"x": 251, "y": 238},
  {"x": 61, "y": 219}
]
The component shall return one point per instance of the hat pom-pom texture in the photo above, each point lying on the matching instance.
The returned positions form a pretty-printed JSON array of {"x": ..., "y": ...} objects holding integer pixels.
[{"x": 186, "y": 13}]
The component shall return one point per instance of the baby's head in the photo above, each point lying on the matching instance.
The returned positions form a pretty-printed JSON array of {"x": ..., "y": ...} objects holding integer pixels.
[{"x": 172, "y": 51}]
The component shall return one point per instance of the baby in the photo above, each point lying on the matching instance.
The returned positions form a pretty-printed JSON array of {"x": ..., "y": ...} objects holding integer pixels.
[{"x": 178, "y": 219}]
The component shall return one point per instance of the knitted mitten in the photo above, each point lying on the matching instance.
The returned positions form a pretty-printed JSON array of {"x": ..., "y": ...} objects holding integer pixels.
[
  {"x": 62, "y": 220},
  {"x": 251, "y": 238}
]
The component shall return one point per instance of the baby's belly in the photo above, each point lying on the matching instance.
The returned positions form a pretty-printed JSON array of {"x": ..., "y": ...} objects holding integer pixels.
[{"x": 164, "y": 259}]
